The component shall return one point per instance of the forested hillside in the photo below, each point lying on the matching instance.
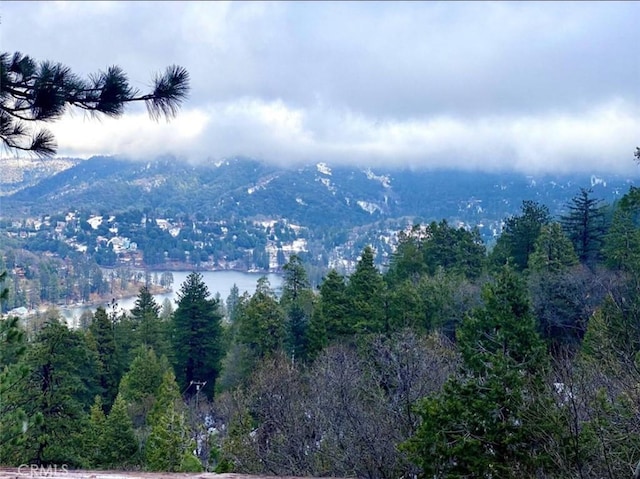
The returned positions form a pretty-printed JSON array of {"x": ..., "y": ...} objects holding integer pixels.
[
  {"x": 318, "y": 196},
  {"x": 89, "y": 231},
  {"x": 454, "y": 361}
]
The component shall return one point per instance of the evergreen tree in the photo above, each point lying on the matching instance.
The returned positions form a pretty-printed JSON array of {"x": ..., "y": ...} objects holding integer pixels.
[
  {"x": 102, "y": 335},
  {"x": 145, "y": 306},
  {"x": 553, "y": 252},
  {"x": 61, "y": 375},
  {"x": 233, "y": 300},
  {"x": 609, "y": 413},
  {"x": 295, "y": 280},
  {"x": 261, "y": 320},
  {"x": 317, "y": 338},
  {"x": 169, "y": 447},
  {"x": 614, "y": 331},
  {"x": 622, "y": 242},
  {"x": 456, "y": 250},
  {"x": 140, "y": 384},
  {"x": 485, "y": 422},
  {"x": 425, "y": 250},
  {"x": 13, "y": 373},
  {"x": 519, "y": 235},
  {"x": 35, "y": 92},
  {"x": 407, "y": 262},
  {"x": 333, "y": 307},
  {"x": 150, "y": 329},
  {"x": 585, "y": 226},
  {"x": 197, "y": 336},
  {"x": 366, "y": 294},
  {"x": 94, "y": 429},
  {"x": 118, "y": 443},
  {"x": 297, "y": 302},
  {"x": 406, "y": 308}
]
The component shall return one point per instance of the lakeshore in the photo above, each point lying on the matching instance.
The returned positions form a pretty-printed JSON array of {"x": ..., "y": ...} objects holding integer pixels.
[{"x": 219, "y": 284}]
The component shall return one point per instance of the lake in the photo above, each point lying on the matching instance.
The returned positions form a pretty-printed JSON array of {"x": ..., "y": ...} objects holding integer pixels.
[{"x": 216, "y": 281}]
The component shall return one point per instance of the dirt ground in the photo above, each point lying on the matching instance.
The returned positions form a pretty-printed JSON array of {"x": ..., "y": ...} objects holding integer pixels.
[{"x": 61, "y": 473}]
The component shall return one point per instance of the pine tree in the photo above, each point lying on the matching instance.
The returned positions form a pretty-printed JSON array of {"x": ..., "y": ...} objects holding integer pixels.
[
  {"x": 35, "y": 92},
  {"x": 118, "y": 443},
  {"x": 233, "y": 301},
  {"x": 317, "y": 338},
  {"x": 140, "y": 384},
  {"x": 197, "y": 336},
  {"x": 585, "y": 226},
  {"x": 169, "y": 447},
  {"x": 297, "y": 301},
  {"x": 407, "y": 262},
  {"x": 61, "y": 373},
  {"x": 456, "y": 250},
  {"x": 101, "y": 333},
  {"x": 93, "y": 443},
  {"x": 426, "y": 250},
  {"x": 553, "y": 252},
  {"x": 519, "y": 236},
  {"x": 484, "y": 423},
  {"x": 145, "y": 306},
  {"x": 406, "y": 308},
  {"x": 150, "y": 329},
  {"x": 13, "y": 373},
  {"x": 295, "y": 280},
  {"x": 333, "y": 307},
  {"x": 261, "y": 321},
  {"x": 366, "y": 293},
  {"x": 622, "y": 242}
]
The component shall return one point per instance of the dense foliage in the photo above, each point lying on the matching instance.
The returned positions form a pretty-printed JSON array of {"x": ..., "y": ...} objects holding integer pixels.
[{"x": 452, "y": 362}]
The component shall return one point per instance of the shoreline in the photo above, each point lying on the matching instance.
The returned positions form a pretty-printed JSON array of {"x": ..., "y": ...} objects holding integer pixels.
[{"x": 123, "y": 299}]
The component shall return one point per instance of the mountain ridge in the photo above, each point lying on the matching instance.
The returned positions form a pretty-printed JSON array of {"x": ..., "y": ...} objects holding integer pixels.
[{"x": 316, "y": 195}]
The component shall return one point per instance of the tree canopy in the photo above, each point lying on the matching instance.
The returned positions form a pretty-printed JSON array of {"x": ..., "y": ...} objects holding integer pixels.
[{"x": 34, "y": 91}]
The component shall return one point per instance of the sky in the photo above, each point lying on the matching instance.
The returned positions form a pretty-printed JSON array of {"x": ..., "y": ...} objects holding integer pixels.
[{"x": 534, "y": 87}]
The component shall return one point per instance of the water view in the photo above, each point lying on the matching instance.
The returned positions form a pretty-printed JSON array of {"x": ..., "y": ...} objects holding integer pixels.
[{"x": 217, "y": 282}]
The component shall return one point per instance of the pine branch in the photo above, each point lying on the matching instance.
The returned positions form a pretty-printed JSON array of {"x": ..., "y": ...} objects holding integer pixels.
[{"x": 32, "y": 91}]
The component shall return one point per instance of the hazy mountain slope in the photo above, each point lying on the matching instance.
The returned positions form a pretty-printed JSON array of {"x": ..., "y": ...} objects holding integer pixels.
[{"x": 317, "y": 196}]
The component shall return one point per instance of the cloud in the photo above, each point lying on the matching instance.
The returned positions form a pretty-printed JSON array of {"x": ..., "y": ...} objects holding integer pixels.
[
  {"x": 599, "y": 140},
  {"x": 536, "y": 86},
  {"x": 133, "y": 135}
]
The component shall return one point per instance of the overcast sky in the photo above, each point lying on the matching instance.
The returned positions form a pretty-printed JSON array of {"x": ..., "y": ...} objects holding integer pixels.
[{"x": 535, "y": 87}]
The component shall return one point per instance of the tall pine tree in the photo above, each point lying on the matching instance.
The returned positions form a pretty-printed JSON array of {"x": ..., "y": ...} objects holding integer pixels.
[
  {"x": 366, "y": 293},
  {"x": 197, "y": 336},
  {"x": 150, "y": 329},
  {"x": 101, "y": 334},
  {"x": 585, "y": 226},
  {"x": 553, "y": 252},
  {"x": 297, "y": 301},
  {"x": 333, "y": 307},
  {"x": 261, "y": 320}
]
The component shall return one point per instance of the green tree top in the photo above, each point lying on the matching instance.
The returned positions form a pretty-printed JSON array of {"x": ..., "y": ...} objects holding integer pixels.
[
  {"x": 366, "y": 290},
  {"x": 519, "y": 236},
  {"x": 145, "y": 306},
  {"x": 585, "y": 225},
  {"x": 553, "y": 252},
  {"x": 295, "y": 279},
  {"x": 261, "y": 322},
  {"x": 504, "y": 326}
]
